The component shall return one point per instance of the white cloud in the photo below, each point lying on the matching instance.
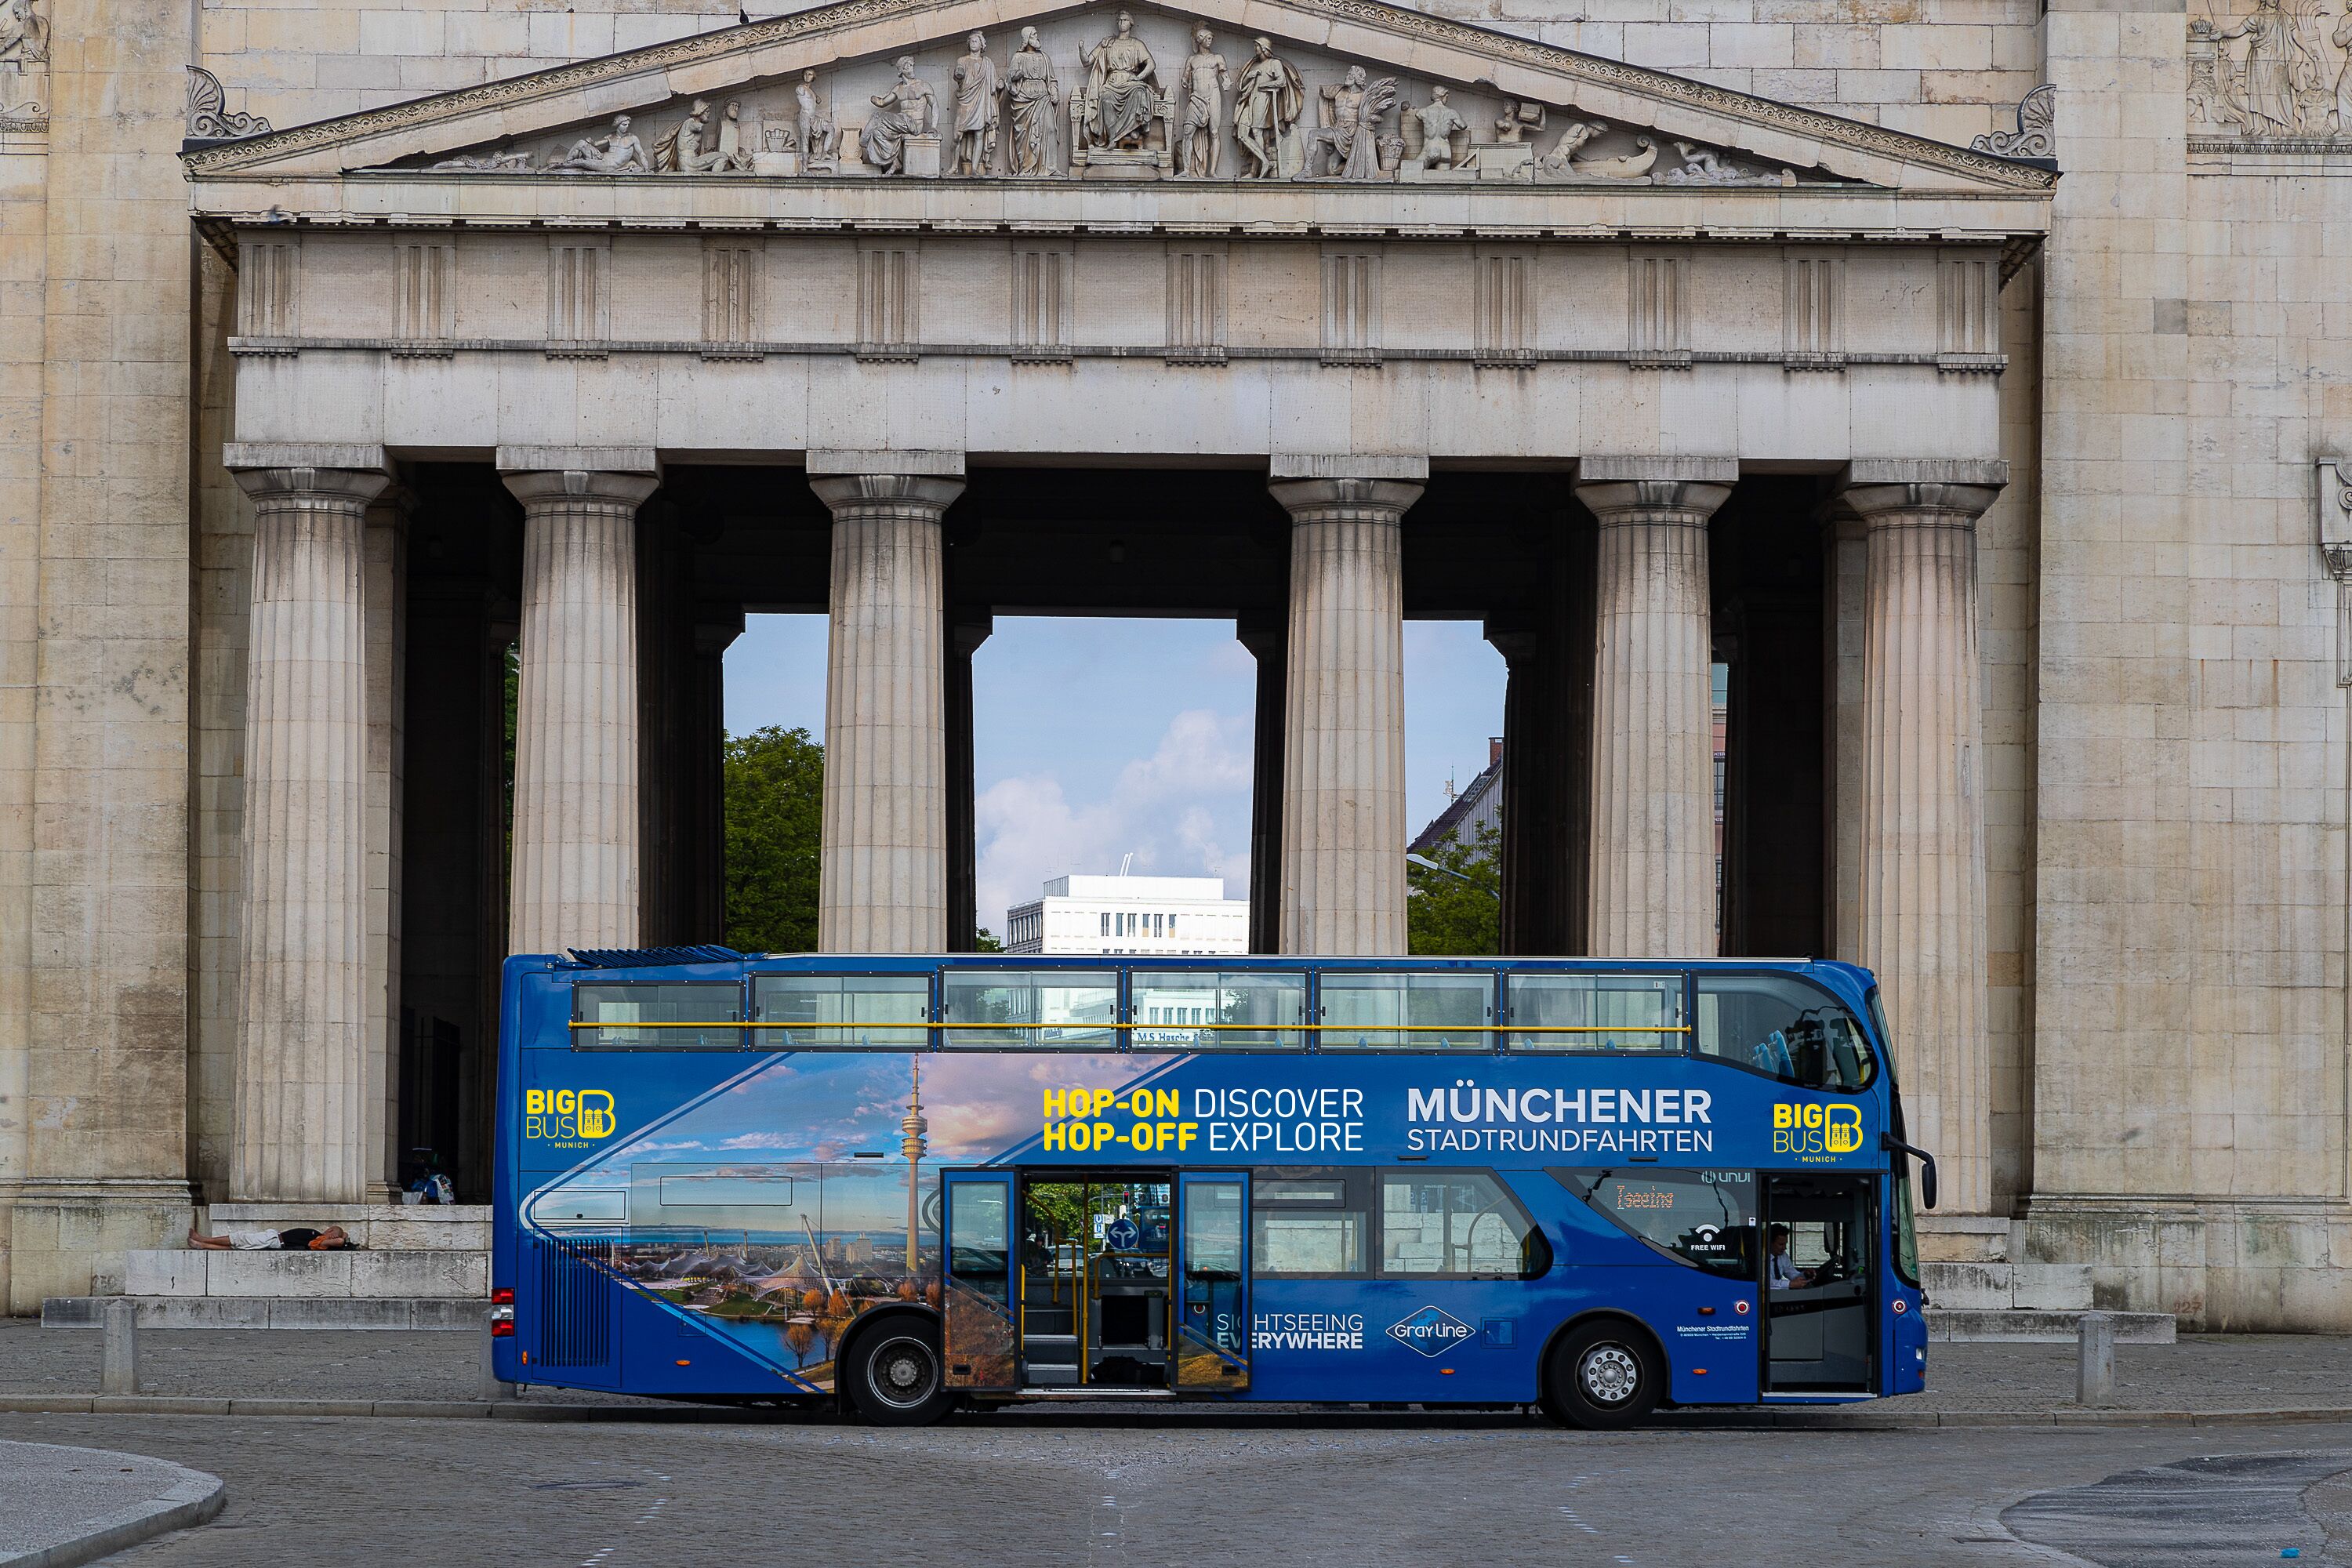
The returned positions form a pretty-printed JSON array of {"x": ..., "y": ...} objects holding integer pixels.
[{"x": 1183, "y": 811}]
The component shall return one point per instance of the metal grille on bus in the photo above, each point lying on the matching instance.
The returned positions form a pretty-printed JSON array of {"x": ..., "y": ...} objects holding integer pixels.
[{"x": 576, "y": 1305}]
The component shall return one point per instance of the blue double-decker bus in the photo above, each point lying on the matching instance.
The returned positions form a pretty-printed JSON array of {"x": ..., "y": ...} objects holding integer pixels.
[{"x": 903, "y": 1184}]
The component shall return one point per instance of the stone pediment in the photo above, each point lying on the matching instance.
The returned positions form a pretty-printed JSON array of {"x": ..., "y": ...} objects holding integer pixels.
[{"x": 1338, "y": 92}]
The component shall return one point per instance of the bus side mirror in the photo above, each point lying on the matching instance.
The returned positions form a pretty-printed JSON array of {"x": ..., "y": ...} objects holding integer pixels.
[{"x": 1927, "y": 1165}]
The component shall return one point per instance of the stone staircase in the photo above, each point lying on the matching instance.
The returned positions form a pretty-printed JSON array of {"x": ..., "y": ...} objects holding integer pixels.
[
  {"x": 416, "y": 1266},
  {"x": 1980, "y": 1290}
]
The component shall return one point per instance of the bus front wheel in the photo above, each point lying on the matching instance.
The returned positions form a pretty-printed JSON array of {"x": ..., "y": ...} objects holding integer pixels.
[
  {"x": 896, "y": 1378},
  {"x": 1601, "y": 1376}
]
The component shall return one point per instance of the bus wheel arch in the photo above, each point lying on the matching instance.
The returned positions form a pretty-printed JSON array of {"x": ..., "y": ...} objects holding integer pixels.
[
  {"x": 1601, "y": 1369},
  {"x": 903, "y": 1337}
]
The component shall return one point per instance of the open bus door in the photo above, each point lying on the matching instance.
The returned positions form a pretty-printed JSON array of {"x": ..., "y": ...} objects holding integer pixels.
[
  {"x": 1212, "y": 1327},
  {"x": 978, "y": 1343},
  {"x": 1821, "y": 1315}
]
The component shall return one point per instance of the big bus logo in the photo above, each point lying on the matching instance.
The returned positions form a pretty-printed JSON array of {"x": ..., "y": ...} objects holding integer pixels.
[
  {"x": 1816, "y": 1128},
  {"x": 579, "y": 1114}
]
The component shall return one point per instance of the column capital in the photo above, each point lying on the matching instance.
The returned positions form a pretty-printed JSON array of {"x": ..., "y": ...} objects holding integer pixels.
[
  {"x": 890, "y": 490},
  {"x": 1622, "y": 491},
  {"x": 549, "y": 486},
  {"x": 1931, "y": 491},
  {"x": 1310, "y": 482},
  {"x": 350, "y": 473}
]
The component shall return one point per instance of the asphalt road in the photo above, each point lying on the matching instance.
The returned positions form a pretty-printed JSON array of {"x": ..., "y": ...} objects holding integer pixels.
[{"x": 1068, "y": 1488}]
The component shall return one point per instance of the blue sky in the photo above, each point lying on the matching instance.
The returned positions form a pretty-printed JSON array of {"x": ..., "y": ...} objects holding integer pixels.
[{"x": 1096, "y": 738}]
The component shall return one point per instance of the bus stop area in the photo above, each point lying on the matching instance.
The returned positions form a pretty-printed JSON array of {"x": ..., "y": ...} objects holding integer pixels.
[{"x": 2201, "y": 1378}]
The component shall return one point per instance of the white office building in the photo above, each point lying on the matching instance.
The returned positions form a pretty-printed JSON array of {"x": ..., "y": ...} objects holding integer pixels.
[{"x": 1130, "y": 914}]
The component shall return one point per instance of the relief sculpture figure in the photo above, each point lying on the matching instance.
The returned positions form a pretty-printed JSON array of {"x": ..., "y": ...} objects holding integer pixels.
[
  {"x": 694, "y": 149},
  {"x": 1201, "y": 147},
  {"x": 817, "y": 136},
  {"x": 1268, "y": 98},
  {"x": 905, "y": 110},
  {"x": 1439, "y": 122},
  {"x": 23, "y": 38},
  {"x": 2271, "y": 48},
  {"x": 1121, "y": 96},
  {"x": 618, "y": 153},
  {"x": 1034, "y": 99},
  {"x": 977, "y": 112},
  {"x": 1344, "y": 143}
]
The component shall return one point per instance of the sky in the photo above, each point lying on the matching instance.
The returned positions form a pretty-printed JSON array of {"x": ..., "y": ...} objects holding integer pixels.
[{"x": 1095, "y": 738}]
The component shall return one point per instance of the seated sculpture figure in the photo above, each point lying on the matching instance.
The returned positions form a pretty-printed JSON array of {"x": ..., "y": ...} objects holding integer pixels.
[
  {"x": 1344, "y": 144},
  {"x": 1121, "y": 96}
]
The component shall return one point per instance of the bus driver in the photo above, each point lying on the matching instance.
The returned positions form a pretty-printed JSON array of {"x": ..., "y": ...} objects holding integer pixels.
[{"x": 1783, "y": 1274}]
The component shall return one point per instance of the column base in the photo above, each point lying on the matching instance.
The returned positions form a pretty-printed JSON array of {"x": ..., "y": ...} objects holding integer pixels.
[{"x": 67, "y": 1238}]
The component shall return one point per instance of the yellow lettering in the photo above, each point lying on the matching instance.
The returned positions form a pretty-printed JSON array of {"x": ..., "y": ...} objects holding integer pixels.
[
  {"x": 1057, "y": 1136},
  {"x": 1782, "y": 1114},
  {"x": 1102, "y": 1098},
  {"x": 1057, "y": 1103},
  {"x": 1184, "y": 1131},
  {"x": 1164, "y": 1102},
  {"x": 534, "y": 1102}
]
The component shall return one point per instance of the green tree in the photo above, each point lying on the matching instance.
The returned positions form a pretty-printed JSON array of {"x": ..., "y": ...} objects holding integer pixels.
[
  {"x": 774, "y": 781},
  {"x": 1460, "y": 914}
]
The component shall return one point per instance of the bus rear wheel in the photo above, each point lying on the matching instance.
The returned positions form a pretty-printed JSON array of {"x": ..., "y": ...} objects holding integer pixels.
[
  {"x": 896, "y": 1378},
  {"x": 1601, "y": 1376}
]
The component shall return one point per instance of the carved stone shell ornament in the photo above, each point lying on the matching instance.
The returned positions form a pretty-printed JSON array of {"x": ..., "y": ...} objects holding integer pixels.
[{"x": 208, "y": 116}]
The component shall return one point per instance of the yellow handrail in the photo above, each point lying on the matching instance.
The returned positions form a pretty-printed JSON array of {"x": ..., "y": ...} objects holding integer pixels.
[{"x": 1259, "y": 1028}]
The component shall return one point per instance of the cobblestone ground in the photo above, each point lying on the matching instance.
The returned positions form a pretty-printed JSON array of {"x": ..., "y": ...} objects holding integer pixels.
[
  {"x": 2205, "y": 1371},
  {"x": 1059, "y": 1488}
]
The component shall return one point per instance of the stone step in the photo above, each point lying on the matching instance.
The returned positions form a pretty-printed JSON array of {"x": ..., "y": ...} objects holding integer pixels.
[
  {"x": 268, "y": 1312},
  {"x": 389, "y": 1227},
  {"x": 392, "y": 1275},
  {"x": 1993, "y": 1286},
  {"x": 2020, "y": 1325}
]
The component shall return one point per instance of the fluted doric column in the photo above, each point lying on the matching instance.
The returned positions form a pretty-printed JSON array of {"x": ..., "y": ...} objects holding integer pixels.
[
  {"x": 302, "y": 1099},
  {"x": 1922, "y": 914},
  {"x": 1343, "y": 820},
  {"x": 883, "y": 864},
  {"x": 1653, "y": 883},
  {"x": 577, "y": 838}
]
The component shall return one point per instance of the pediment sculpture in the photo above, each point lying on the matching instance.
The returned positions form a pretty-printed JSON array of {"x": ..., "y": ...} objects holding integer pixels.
[
  {"x": 2279, "y": 70},
  {"x": 1131, "y": 93}
]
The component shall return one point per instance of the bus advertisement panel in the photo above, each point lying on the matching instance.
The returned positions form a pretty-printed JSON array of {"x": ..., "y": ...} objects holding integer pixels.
[{"x": 902, "y": 1183}]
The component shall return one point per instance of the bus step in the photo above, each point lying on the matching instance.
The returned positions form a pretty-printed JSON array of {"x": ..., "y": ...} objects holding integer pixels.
[
  {"x": 1050, "y": 1373},
  {"x": 1050, "y": 1320},
  {"x": 1050, "y": 1347},
  {"x": 1094, "y": 1391}
]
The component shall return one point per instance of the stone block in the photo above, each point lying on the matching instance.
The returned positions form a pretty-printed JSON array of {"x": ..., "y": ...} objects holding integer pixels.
[
  {"x": 2052, "y": 1287},
  {"x": 277, "y": 1273},
  {"x": 1980, "y": 1287},
  {"x": 172, "y": 1272},
  {"x": 407, "y": 1274}
]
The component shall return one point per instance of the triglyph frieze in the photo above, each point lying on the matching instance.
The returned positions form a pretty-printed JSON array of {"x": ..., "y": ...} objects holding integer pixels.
[
  {"x": 1122, "y": 94},
  {"x": 2271, "y": 71}
]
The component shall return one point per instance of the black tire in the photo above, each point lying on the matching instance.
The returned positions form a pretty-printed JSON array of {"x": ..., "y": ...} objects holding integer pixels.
[
  {"x": 1602, "y": 1376},
  {"x": 896, "y": 1375}
]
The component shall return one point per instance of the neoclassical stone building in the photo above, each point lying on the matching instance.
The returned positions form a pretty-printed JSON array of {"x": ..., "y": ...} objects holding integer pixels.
[{"x": 1965, "y": 374}]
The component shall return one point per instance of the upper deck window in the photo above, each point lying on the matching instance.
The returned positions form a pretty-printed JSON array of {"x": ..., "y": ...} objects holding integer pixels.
[
  {"x": 841, "y": 1012},
  {"x": 692, "y": 1015},
  {"x": 1596, "y": 1012},
  {"x": 1787, "y": 1028},
  {"x": 1212, "y": 1010},
  {"x": 1408, "y": 1010},
  {"x": 1019, "y": 1009}
]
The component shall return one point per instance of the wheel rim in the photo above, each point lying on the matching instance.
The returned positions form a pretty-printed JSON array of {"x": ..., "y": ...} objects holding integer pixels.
[
  {"x": 903, "y": 1373},
  {"x": 1608, "y": 1374}
]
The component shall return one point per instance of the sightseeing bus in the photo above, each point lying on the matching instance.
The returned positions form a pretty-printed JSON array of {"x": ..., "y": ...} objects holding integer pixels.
[{"x": 900, "y": 1184}]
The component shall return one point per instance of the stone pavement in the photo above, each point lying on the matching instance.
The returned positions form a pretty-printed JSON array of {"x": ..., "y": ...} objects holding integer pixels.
[
  {"x": 62, "y": 1505},
  {"x": 2208, "y": 1375}
]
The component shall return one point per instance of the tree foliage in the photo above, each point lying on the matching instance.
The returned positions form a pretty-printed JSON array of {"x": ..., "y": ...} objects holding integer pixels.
[
  {"x": 1463, "y": 913},
  {"x": 774, "y": 781}
]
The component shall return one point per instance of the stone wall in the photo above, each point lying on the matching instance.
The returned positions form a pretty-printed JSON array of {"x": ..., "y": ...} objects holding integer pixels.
[{"x": 2189, "y": 1072}]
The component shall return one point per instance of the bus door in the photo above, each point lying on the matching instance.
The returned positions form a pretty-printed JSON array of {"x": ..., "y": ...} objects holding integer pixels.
[
  {"x": 1212, "y": 1330},
  {"x": 977, "y": 1305},
  {"x": 1820, "y": 1306}
]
